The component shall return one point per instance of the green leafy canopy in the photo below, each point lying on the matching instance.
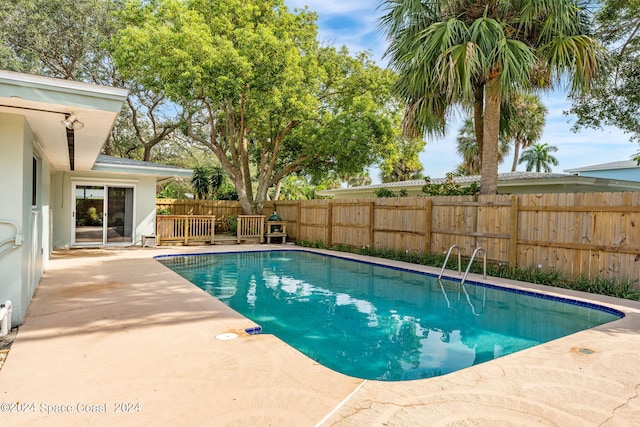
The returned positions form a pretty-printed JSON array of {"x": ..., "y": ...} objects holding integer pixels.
[{"x": 261, "y": 93}]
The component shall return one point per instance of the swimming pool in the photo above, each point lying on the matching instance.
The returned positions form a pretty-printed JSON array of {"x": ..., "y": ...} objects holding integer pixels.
[{"x": 376, "y": 322}]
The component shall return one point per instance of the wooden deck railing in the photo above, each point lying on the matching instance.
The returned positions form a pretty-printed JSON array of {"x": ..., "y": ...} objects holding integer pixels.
[
  {"x": 251, "y": 227},
  {"x": 185, "y": 229}
]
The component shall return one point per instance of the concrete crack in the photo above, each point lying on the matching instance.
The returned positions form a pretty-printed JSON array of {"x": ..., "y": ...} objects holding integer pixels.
[{"x": 622, "y": 405}]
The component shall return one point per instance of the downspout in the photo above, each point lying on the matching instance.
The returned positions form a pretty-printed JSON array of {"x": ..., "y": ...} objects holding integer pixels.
[{"x": 5, "y": 318}]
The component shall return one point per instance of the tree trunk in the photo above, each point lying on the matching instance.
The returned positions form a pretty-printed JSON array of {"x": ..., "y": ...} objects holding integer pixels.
[
  {"x": 147, "y": 153},
  {"x": 245, "y": 202},
  {"x": 489, "y": 178},
  {"x": 516, "y": 155},
  {"x": 478, "y": 121},
  {"x": 108, "y": 147},
  {"x": 276, "y": 193}
]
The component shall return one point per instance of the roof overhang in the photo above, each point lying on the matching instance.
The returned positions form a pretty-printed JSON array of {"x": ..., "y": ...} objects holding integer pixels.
[
  {"x": 162, "y": 173},
  {"x": 571, "y": 183},
  {"x": 620, "y": 165},
  {"x": 45, "y": 102}
]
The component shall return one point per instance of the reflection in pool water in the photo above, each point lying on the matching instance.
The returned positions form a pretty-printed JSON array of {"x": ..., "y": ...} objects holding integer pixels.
[{"x": 376, "y": 322}]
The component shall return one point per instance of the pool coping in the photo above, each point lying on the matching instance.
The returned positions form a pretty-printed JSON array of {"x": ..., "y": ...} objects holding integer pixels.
[
  {"x": 393, "y": 265},
  {"x": 98, "y": 326}
]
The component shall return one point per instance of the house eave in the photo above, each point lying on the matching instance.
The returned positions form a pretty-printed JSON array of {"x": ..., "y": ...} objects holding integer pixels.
[
  {"x": 162, "y": 174},
  {"x": 44, "y": 102}
]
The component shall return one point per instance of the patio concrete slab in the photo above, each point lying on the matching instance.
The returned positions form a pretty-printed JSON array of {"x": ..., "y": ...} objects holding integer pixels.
[
  {"x": 116, "y": 333},
  {"x": 112, "y": 337}
]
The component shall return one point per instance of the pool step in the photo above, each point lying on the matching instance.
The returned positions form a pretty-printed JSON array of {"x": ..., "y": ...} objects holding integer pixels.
[{"x": 254, "y": 331}]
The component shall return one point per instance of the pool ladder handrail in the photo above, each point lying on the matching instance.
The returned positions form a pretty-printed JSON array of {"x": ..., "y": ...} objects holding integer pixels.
[
  {"x": 484, "y": 264},
  {"x": 447, "y": 259}
]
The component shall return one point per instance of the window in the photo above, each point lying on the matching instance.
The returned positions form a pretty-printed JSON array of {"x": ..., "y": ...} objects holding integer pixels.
[{"x": 34, "y": 182}]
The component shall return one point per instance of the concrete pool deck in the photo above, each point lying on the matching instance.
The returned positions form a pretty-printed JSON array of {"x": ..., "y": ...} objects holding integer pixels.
[{"x": 112, "y": 337}]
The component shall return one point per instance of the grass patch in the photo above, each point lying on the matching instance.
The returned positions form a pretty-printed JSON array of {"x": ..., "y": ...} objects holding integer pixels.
[{"x": 620, "y": 288}]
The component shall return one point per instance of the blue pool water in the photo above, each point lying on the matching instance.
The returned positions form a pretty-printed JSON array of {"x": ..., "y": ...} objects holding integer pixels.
[{"x": 376, "y": 322}]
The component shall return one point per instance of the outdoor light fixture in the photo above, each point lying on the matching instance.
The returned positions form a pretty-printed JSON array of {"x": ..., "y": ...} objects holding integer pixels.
[{"x": 72, "y": 122}]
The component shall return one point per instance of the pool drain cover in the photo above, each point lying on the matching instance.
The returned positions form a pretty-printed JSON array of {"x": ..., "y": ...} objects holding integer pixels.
[{"x": 226, "y": 336}]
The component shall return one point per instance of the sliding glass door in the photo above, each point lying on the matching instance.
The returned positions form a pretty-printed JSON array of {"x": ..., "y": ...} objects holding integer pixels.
[
  {"x": 89, "y": 214},
  {"x": 119, "y": 214},
  {"x": 103, "y": 214}
]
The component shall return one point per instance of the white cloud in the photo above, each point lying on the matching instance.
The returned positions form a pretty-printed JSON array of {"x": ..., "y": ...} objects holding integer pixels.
[
  {"x": 354, "y": 23},
  {"x": 586, "y": 147},
  {"x": 334, "y": 7},
  {"x": 350, "y": 23}
]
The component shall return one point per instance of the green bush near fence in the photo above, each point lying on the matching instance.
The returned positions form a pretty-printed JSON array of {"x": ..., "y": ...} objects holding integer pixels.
[{"x": 619, "y": 288}]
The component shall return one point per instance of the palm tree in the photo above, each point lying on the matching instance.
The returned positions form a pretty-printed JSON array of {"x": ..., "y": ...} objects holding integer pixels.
[
  {"x": 468, "y": 149},
  {"x": 526, "y": 117},
  {"x": 537, "y": 157},
  {"x": 474, "y": 53},
  {"x": 200, "y": 182},
  {"x": 217, "y": 179}
]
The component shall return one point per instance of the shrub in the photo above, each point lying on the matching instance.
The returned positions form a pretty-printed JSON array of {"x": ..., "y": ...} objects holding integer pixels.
[
  {"x": 449, "y": 188},
  {"x": 385, "y": 192},
  {"x": 620, "y": 288}
]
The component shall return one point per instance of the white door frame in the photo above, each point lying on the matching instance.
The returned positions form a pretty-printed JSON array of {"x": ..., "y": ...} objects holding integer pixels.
[{"x": 105, "y": 184}]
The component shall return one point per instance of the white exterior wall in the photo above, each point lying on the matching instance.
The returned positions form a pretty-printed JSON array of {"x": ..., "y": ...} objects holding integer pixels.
[
  {"x": 21, "y": 268},
  {"x": 63, "y": 200}
]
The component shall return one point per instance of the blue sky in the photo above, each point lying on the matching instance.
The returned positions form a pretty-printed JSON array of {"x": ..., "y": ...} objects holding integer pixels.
[{"x": 353, "y": 23}]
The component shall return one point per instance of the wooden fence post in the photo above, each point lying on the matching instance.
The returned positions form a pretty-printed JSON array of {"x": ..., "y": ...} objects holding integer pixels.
[
  {"x": 476, "y": 212},
  {"x": 329, "y": 224},
  {"x": 427, "y": 226},
  {"x": 513, "y": 233},
  {"x": 372, "y": 209},
  {"x": 299, "y": 222}
]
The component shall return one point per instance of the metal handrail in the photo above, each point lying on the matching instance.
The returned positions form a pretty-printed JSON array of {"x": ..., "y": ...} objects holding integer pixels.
[
  {"x": 473, "y": 309},
  {"x": 446, "y": 297},
  {"x": 447, "y": 259},
  {"x": 484, "y": 264}
]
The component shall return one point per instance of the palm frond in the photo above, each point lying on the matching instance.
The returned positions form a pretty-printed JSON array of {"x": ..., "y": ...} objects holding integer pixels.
[
  {"x": 574, "y": 55},
  {"x": 516, "y": 62}
]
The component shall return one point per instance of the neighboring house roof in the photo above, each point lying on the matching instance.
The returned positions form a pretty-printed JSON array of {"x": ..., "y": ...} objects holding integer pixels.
[
  {"x": 120, "y": 165},
  {"x": 45, "y": 102},
  {"x": 465, "y": 179},
  {"x": 624, "y": 164},
  {"x": 511, "y": 182}
]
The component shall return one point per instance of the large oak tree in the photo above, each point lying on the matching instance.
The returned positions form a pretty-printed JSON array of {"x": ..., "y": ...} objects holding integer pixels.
[
  {"x": 67, "y": 40},
  {"x": 260, "y": 91}
]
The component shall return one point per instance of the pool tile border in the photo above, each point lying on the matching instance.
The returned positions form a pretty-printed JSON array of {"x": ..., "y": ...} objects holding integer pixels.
[{"x": 533, "y": 294}]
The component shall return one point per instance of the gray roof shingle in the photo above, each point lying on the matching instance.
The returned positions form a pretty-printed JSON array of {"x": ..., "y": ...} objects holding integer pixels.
[
  {"x": 119, "y": 161},
  {"x": 623, "y": 164},
  {"x": 507, "y": 176}
]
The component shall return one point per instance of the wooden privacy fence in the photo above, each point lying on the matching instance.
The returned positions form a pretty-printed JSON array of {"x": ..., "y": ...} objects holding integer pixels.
[
  {"x": 217, "y": 208},
  {"x": 586, "y": 234}
]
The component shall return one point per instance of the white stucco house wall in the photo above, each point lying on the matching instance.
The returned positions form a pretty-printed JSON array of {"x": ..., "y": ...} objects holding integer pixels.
[
  {"x": 627, "y": 170},
  {"x": 56, "y": 190}
]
